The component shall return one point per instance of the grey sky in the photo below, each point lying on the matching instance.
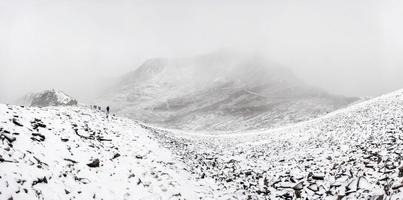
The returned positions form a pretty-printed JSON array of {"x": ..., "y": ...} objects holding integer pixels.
[{"x": 350, "y": 47}]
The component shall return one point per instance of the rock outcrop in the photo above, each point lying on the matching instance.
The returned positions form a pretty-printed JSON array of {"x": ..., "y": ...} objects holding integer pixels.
[{"x": 48, "y": 98}]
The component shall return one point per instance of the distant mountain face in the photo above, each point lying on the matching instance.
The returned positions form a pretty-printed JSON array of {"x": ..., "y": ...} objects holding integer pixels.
[
  {"x": 218, "y": 92},
  {"x": 47, "y": 98}
]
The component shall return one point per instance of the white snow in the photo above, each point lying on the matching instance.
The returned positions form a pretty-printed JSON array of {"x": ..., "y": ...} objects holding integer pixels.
[
  {"x": 362, "y": 143},
  {"x": 62, "y": 98},
  {"x": 353, "y": 153},
  {"x": 144, "y": 170}
]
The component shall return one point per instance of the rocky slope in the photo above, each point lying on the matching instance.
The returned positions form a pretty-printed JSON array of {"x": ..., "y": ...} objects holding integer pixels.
[
  {"x": 219, "y": 91},
  {"x": 47, "y": 98},
  {"x": 76, "y": 153},
  {"x": 354, "y": 153}
]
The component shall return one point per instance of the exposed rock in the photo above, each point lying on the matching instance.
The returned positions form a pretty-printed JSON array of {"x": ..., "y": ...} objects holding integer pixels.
[
  {"x": 38, "y": 137},
  {"x": 116, "y": 155},
  {"x": 16, "y": 122},
  {"x": 40, "y": 180},
  {"x": 94, "y": 163}
]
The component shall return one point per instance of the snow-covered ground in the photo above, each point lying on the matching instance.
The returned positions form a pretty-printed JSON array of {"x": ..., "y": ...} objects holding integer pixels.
[
  {"x": 353, "y": 153},
  {"x": 44, "y": 154}
]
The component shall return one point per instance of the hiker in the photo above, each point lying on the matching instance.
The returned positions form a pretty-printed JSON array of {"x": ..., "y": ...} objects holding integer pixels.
[{"x": 107, "y": 111}]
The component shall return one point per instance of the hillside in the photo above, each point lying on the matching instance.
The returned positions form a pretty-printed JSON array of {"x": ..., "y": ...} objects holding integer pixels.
[
  {"x": 76, "y": 153},
  {"x": 218, "y": 91},
  {"x": 353, "y": 153}
]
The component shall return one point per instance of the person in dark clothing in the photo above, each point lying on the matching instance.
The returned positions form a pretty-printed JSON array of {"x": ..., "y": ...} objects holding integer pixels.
[{"x": 107, "y": 111}]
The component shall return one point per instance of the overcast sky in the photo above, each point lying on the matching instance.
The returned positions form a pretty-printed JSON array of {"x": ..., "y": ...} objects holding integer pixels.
[{"x": 350, "y": 47}]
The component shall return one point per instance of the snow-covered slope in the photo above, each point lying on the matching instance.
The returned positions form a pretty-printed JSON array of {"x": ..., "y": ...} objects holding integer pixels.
[
  {"x": 353, "y": 153},
  {"x": 76, "y": 153},
  {"x": 53, "y": 153},
  {"x": 47, "y": 98},
  {"x": 218, "y": 91}
]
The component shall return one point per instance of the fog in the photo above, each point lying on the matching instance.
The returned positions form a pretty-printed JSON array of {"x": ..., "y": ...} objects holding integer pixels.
[{"x": 347, "y": 47}]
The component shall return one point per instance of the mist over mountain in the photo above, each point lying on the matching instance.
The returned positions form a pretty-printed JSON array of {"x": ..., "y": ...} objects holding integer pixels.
[
  {"x": 223, "y": 100},
  {"x": 218, "y": 91}
]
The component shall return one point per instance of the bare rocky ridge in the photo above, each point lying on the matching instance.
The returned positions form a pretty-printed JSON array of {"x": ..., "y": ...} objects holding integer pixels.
[{"x": 219, "y": 91}]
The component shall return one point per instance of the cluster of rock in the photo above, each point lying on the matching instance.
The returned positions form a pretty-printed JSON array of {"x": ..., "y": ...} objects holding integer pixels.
[{"x": 355, "y": 153}]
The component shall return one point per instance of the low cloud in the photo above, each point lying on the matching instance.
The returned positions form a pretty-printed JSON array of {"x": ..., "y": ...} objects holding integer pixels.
[{"x": 347, "y": 47}]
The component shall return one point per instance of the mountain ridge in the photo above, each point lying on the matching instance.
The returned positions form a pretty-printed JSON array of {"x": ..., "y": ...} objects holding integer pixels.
[{"x": 218, "y": 92}]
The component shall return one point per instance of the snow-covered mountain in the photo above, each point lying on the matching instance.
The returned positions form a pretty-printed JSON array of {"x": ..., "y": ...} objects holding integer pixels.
[
  {"x": 77, "y": 153},
  {"x": 45, "y": 98},
  {"x": 219, "y": 91}
]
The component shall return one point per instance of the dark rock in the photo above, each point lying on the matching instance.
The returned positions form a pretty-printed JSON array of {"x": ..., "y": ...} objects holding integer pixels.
[
  {"x": 400, "y": 171},
  {"x": 38, "y": 137},
  {"x": 16, "y": 122},
  {"x": 40, "y": 180},
  {"x": 299, "y": 186},
  {"x": 39, "y": 161},
  {"x": 104, "y": 139},
  {"x": 37, "y": 123},
  {"x": 378, "y": 197},
  {"x": 70, "y": 160},
  {"x": 116, "y": 155},
  {"x": 4, "y": 160},
  {"x": 248, "y": 173},
  {"x": 318, "y": 177},
  {"x": 94, "y": 163},
  {"x": 10, "y": 139},
  {"x": 82, "y": 180}
]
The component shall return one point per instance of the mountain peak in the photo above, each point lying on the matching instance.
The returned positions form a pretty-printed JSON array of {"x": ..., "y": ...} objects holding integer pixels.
[
  {"x": 145, "y": 71},
  {"x": 51, "y": 97},
  {"x": 218, "y": 91},
  {"x": 205, "y": 70}
]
